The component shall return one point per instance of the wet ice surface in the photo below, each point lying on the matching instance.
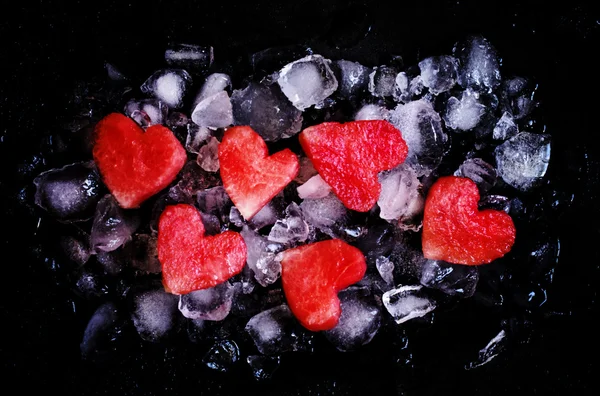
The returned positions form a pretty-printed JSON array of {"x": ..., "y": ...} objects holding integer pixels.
[
  {"x": 407, "y": 302},
  {"x": 327, "y": 214},
  {"x": 214, "y": 112},
  {"x": 98, "y": 330},
  {"x": 385, "y": 267},
  {"x": 353, "y": 78},
  {"x": 519, "y": 96},
  {"x": 292, "y": 229},
  {"x": 451, "y": 279},
  {"x": 196, "y": 137},
  {"x": 382, "y": 81},
  {"x": 276, "y": 331},
  {"x": 522, "y": 161},
  {"x": 169, "y": 86},
  {"x": 480, "y": 65},
  {"x": 147, "y": 112},
  {"x": 439, "y": 73},
  {"x": 372, "y": 112},
  {"x": 408, "y": 88},
  {"x": 496, "y": 346},
  {"x": 214, "y": 201},
  {"x": 76, "y": 248},
  {"x": 421, "y": 128},
  {"x": 154, "y": 314},
  {"x": 263, "y": 367},
  {"x": 262, "y": 257},
  {"x": 482, "y": 173},
  {"x": 222, "y": 356},
  {"x": 112, "y": 226},
  {"x": 465, "y": 113},
  {"x": 267, "y": 110},
  {"x": 208, "y": 304},
  {"x": 505, "y": 128},
  {"x": 208, "y": 155},
  {"x": 400, "y": 197},
  {"x": 307, "y": 81},
  {"x": 314, "y": 188},
  {"x": 69, "y": 193},
  {"x": 359, "y": 322},
  {"x": 189, "y": 56}
]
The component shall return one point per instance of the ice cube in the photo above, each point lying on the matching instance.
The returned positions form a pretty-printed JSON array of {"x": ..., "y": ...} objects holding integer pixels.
[
  {"x": 385, "y": 267},
  {"x": 90, "y": 285},
  {"x": 439, "y": 73},
  {"x": 262, "y": 257},
  {"x": 496, "y": 346},
  {"x": 379, "y": 241},
  {"x": 290, "y": 230},
  {"x": 214, "y": 112},
  {"x": 401, "y": 197},
  {"x": 482, "y": 173},
  {"x": 269, "y": 214},
  {"x": 421, "y": 128},
  {"x": 353, "y": 78},
  {"x": 189, "y": 56},
  {"x": 69, "y": 193},
  {"x": 143, "y": 253},
  {"x": 213, "y": 84},
  {"x": 451, "y": 279},
  {"x": 522, "y": 160},
  {"x": 326, "y": 214},
  {"x": 407, "y": 302},
  {"x": 154, "y": 314},
  {"x": 263, "y": 367},
  {"x": 208, "y": 304},
  {"x": 307, "y": 81},
  {"x": 275, "y": 331},
  {"x": 147, "y": 112},
  {"x": 372, "y": 112},
  {"x": 505, "y": 127},
  {"x": 196, "y": 135},
  {"x": 112, "y": 226},
  {"x": 222, "y": 356},
  {"x": 519, "y": 94},
  {"x": 496, "y": 202},
  {"x": 208, "y": 156},
  {"x": 314, "y": 188},
  {"x": 76, "y": 248},
  {"x": 307, "y": 170},
  {"x": 382, "y": 81},
  {"x": 408, "y": 88},
  {"x": 480, "y": 67},
  {"x": 168, "y": 85},
  {"x": 192, "y": 180},
  {"x": 359, "y": 322},
  {"x": 214, "y": 201},
  {"x": 267, "y": 110},
  {"x": 99, "y": 331},
  {"x": 466, "y": 113}
]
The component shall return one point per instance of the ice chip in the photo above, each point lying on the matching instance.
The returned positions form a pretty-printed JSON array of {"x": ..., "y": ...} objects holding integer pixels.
[
  {"x": 314, "y": 188},
  {"x": 213, "y": 84},
  {"x": 482, "y": 173},
  {"x": 222, "y": 356},
  {"x": 382, "y": 81},
  {"x": 208, "y": 155},
  {"x": 290, "y": 230},
  {"x": 263, "y": 367},
  {"x": 189, "y": 56},
  {"x": 195, "y": 137},
  {"x": 385, "y": 267},
  {"x": 522, "y": 160},
  {"x": 496, "y": 346},
  {"x": 505, "y": 127},
  {"x": 307, "y": 81},
  {"x": 372, "y": 112},
  {"x": 439, "y": 73},
  {"x": 451, "y": 279},
  {"x": 266, "y": 110},
  {"x": 208, "y": 304},
  {"x": 147, "y": 112},
  {"x": 69, "y": 193},
  {"x": 168, "y": 85},
  {"x": 407, "y": 302},
  {"x": 359, "y": 322},
  {"x": 465, "y": 113},
  {"x": 408, "y": 88},
  {"x": 401, "y": 197},
  {"x": 326, "y": 214},
  {"x": 262, "y": 257},
  {"x": 214, "y": 112},
  {"x": 154, "y": 314},
  {"x": 480, "y": 67},
  {"x": 353, "y": 78},
  {"x": 112, "y": 226},
  {"x": 275, "y": 331},
  {"x": 99, "y": 331},
  {"x": 421, "y": 128}
]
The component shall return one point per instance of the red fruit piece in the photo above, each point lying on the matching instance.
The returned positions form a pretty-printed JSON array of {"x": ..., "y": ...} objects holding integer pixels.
[
  {"x": 135, "y": 164},
  {"x": 349, "y": 156},
  {"x": 190, "y": 261},
  {"x": 313, "y": 274},
  {"x": 250, "y": 176},
  {"x": 454, "y": 230}
]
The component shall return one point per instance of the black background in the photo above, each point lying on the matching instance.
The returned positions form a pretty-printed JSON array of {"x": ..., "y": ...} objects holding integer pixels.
[{"x": 48, "y": 45}]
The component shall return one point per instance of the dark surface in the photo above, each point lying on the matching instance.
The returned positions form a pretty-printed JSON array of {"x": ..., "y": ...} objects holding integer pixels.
[{"x": 47, "y": 46}]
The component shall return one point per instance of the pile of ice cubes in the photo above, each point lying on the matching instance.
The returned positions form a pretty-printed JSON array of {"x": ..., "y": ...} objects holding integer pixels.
[{"x": 458, "y": 115}]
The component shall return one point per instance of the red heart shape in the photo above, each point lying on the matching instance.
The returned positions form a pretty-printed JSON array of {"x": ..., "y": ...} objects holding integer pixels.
[
  {"x": 349, "y": 156},
  {"x": 312, "y": 275},
  {"x": 135, "y": 164},
  {"x": 190, "y": 261},
  {"x": 454, "y": 230},
  {"x": 250, "y": 176}
]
